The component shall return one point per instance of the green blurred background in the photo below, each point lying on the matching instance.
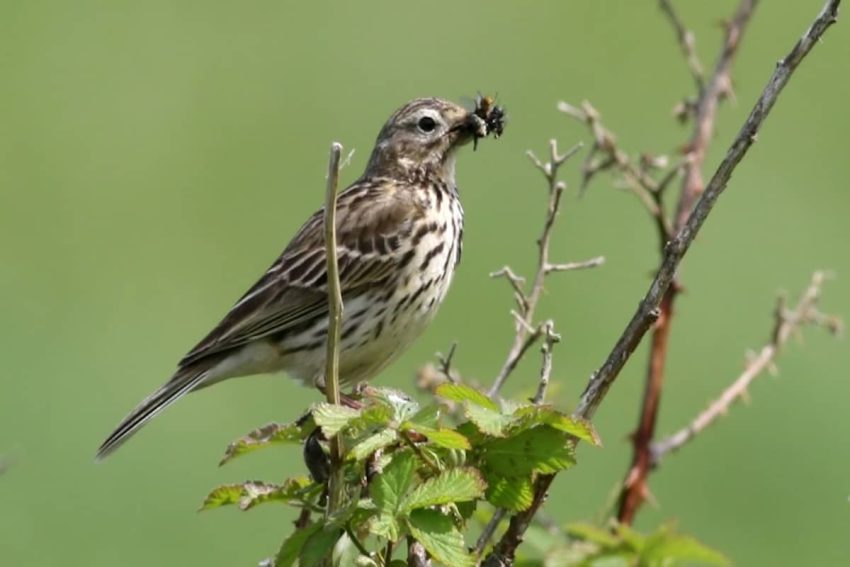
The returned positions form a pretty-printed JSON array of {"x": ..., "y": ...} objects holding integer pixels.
[{"x": 155, "y": 157}]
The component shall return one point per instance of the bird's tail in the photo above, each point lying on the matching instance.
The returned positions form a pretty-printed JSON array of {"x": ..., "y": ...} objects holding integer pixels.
[{"x": 183, "y": 382}]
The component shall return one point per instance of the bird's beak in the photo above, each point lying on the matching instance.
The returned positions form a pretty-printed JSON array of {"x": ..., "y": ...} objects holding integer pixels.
[{"x": 467, "y": 126}]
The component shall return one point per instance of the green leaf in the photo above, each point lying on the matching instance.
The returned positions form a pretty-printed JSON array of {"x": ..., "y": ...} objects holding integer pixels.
[
  {"x": 292, "y": 546},
  {"x": 461, "y": 393},
  {"x": 446, "y": 438},
  {"x": 389, "y": 488},
  {"x": 466, "y": 509},
  {"x": 454, "y": 485},
  {"x": 403, "y": 406},
  {"x": 487, "y": 420},
  {"x": 378, "y": 414},
  {"x": 542, "y": 449},
  {"x": 512, "y": 492},
  {"x": 631, "y": 537},
  {"x": 372, "y": 443},
  {"x": 580, "y": 428},
  {"x": 318, "y": 546},
  {"x": 593, "y": 534},
  {"x": 249, "y": 494},
  {"x": 254, "y": 493},
  {"x": 223, "y": 495},
  {"x": 665, "y": 547},
  {"x": 332, "y": 418},
  {"x": 385, "y": 525},
  {"x": 272, "y": 433},
  {"x": 429, "y": 416},
  {"x": 440, "y": 538}
]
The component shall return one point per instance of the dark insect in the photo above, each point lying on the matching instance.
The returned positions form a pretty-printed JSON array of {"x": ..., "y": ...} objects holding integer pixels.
[{"x": 493, "y": 115}]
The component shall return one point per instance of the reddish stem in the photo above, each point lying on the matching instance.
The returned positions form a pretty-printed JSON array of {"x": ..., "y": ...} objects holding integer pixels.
[{"x": 635, "y": 491}]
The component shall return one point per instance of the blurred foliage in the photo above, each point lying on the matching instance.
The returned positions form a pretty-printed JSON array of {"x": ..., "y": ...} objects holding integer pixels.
[{"x": 156, "y": 156}]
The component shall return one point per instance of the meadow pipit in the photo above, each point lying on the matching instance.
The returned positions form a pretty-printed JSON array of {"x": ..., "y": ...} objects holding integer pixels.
[{"x": 399, "y": 232}]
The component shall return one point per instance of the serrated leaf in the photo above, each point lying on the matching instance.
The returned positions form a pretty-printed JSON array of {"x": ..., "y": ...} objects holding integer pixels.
[
  {"x": 541, "y": 449},
  {"x": 223, "y": 495},
  {"x": 454, "y": 485},
  {"x": 318, "y": 546},
  {"x": 332, "y": 418},
  {"x": 440, "y": 538},
  {"x": 372, "y": 443},
  {"x": 461, "y": 393},
  {"x": 446, "y": 438},
  {"x": 488, "y": 421},
  {"x": 529, "y": 416},
  {"x": 514, "y": 493},
  {"x": 379, "y": 414},
  {"x": 292, "y": 546},
  {"x": 273, "y": 433},
  {"x": 389, "y": 488}
]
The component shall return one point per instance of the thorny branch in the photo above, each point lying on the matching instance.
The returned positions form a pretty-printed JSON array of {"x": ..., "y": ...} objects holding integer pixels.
[
  {"x": 648, "y": 309},
  {"x": 634, "y": 489},
  {"x": 526, "y": 331},
  {"x": 787, "y": 322}
]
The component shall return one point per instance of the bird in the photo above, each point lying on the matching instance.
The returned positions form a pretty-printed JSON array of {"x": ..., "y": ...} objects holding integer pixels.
[{"x": 399, "y": 239}]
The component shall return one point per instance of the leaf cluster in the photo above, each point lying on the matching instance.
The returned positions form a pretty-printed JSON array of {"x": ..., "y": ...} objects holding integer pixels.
[{"x": 412, "y": 473}]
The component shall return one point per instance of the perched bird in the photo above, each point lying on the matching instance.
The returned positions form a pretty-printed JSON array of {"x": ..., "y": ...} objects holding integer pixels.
[{"x": 399, "y": 232}]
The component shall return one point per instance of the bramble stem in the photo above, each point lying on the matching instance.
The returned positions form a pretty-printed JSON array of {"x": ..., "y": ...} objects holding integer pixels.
[{"x": 335, "y": 481}]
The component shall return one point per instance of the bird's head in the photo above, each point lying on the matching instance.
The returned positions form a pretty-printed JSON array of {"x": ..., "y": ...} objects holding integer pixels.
[{"x": 422, "y": 137}]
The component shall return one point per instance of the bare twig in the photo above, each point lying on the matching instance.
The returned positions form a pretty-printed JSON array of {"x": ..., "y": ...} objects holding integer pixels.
[
  {"x": 446, "y": 364},
  {"x": 592, "y": 263},
  {"x": 687, "y": 42},
  {"x": 527, "y": 332},
  {"x": 785, "y": 325},
  {"x": 489, "y": 530},
  {"x": 335, "y": 481},
  {"x": 636, "y": 179},
  {"x": 550, "y": 338},
  {"x": 718, "y": 87},
  {"x": 647, "y": 311}
]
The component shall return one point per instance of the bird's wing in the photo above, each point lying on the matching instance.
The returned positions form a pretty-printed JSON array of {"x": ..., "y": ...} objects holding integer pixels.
[{"x": 374, "y": 218}]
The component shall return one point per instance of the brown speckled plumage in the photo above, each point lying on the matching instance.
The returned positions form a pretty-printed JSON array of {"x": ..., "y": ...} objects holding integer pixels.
[{"x": 399, "y": 232}]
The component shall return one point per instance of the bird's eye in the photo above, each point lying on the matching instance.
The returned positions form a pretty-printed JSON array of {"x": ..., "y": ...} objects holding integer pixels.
[{"x": 427, "y": 124}]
